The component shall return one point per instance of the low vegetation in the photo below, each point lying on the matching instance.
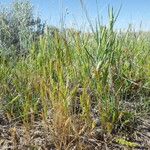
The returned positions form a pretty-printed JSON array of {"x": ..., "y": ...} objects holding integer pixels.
[{"x": 73, "y": 90}]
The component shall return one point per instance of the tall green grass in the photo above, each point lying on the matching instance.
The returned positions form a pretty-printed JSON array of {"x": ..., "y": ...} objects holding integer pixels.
[{"x": 71, "y": 73}]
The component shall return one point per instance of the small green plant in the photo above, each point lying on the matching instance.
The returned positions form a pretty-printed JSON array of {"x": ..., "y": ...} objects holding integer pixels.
[{"x": 126, "y": 143}]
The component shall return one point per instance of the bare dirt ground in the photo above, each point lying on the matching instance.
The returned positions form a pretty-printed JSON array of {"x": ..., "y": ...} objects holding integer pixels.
[{"x": 13, "y": 135}]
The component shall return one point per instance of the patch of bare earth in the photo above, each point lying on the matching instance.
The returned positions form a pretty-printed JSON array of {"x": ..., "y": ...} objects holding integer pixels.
[{"x": 38, "y": 136}]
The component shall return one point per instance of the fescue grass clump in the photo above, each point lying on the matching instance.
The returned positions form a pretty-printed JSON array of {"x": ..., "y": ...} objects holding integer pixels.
[{"x": 67, "y": 75}]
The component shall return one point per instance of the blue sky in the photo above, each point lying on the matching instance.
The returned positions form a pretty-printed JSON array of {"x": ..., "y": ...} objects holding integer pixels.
[{"x": 133, "y": 11}]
